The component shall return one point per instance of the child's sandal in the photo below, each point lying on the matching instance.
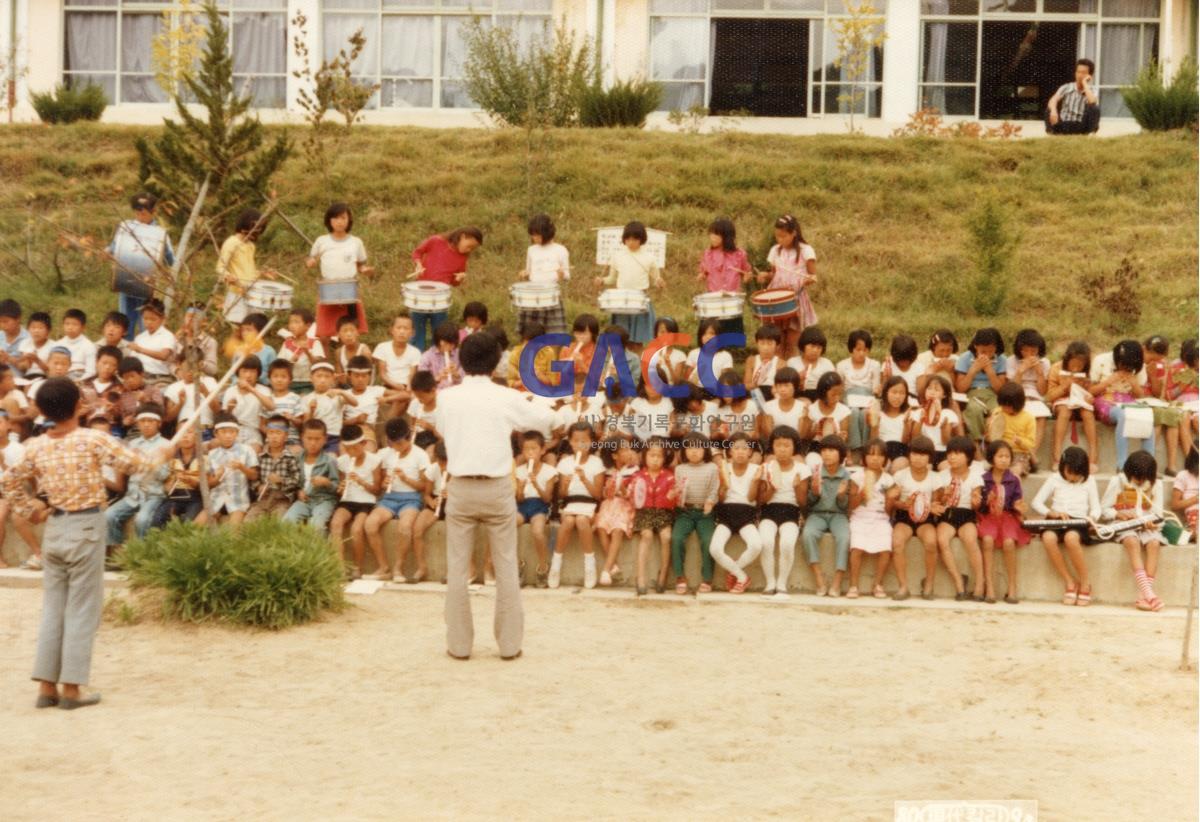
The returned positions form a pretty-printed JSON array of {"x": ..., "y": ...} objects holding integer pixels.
[
  {"x": 705, "y": 588},
  {"x": 852, "y": 592},
  {"x": 1085, "y": 598},
  {"x": 681, "y": 586},
  {"x": 1070, "y": 596},
  {"x": 879, "y": 593}
]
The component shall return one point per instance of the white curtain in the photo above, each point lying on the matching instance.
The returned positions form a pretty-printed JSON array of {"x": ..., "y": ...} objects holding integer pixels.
[
  {"x": 336, "y": 33},
  {"x": 260, "y": 48},
  {"x": 137, "y": 72},
  {"x": 935, "y": 64},
  {"x": 1087, "y": 42},
  {"x": 454, "y": 54},
  {"x": 91, "y": 42},
  {"x": 407, "y": 52},
  {"x": 679, "y": 50},
  {"x": 1119, "y": 55},
  {"x": 1131, "y": 8}
]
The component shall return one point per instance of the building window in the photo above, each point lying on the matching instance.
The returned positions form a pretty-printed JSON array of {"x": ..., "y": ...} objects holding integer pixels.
[
  {"x": 109, "y": 43},
  {"x": 768, "y": 57},
  {"x": 416, "y": 49},
  {"x": 1004, "y": 59}
]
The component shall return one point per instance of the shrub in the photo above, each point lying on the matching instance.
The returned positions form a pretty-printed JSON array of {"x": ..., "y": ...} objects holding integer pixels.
[
  {"x": 539, "y": 84},
  {"x": 1118, "y": 294},
  {"x": 624, "y": 104},
  {"x": 992, "y": 245},
  {"x": 1160, "y": 107},
  {"x": 66, "y": 104},
  {"x": 268, "y": 574}
]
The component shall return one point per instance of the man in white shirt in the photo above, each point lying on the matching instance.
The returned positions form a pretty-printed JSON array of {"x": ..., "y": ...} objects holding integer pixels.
[
  {"x": 1075, "y": 107},
  {"x": 477, "y": 419}
]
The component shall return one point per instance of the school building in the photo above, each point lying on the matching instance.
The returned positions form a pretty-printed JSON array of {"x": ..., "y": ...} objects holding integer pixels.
[{"x": 775, "y": 62}]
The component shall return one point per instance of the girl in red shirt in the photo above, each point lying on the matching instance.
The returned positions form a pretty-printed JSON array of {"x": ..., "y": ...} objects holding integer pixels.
[
  {"x": 654, "y": 497},
  {"x": 442, "y": 258}
]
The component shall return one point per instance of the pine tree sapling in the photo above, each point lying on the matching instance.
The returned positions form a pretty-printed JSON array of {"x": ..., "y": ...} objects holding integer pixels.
[
  {"x": 993, "y": 242},
  {"x": 226, "y": 145}
]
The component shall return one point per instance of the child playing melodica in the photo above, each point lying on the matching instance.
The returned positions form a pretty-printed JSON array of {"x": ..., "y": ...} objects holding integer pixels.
[
  {"x": 327, "y": 404},
  {"x": 737, "y": 513},
  {"x": 916, "y": 514},
  {"x": 632, "y": 267},
  {"x": 437, "y": 479},
  {"x": 828, "y": 513},
  {"x": 281, "y": 477},
  {"x": 699, "y": 483},
  {"x": 725, "y": 267},
  {"x": 655, "y": 495},
  {"x": 1137, "y": 492},
  {"x": 534, "y": 484},
  {"x": 232, "y": 468},
  {"x": 614, "y": 517},
  {"x": 405, "y": 485},
  {"x": 1116, "y": 390},
  {"x": 980, "y": 372},
  {"x": 581, "y": 477},
  {"x": 1070, "y": 494},
  {"x": 546, "y": 263},
  {"x": 1029, "y": 369},
  {"x": 1167, "y": 417},
  {"x": 862, "y": 377},
  {"x": 361, "y": 482},
  {"x": 1001, "y": 509},
  {"x": 793, "y": 266},
  {"x": 341, "y": 255},
  {"x": 1067, "y": 391},
  {"x": 891, "y": 425},
  {"x": 958, "y": 499},
  {"x": 316, "y": 499},
  {"x": 301, "y": 350},
  {"x": 873, "y": 496},
  {"x": 760, "y": 368},
  {"x": 784, "y": 489},
  {"x": 441, "y": 258}
]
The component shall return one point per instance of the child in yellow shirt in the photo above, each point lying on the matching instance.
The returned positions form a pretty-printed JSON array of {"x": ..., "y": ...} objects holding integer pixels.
[{"x": 1016, "y": 426}]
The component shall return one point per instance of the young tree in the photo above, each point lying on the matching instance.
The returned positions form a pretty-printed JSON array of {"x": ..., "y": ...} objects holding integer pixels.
[
  {"x": 227, "y": 146},
  {"x": 858, "y": 34},
  {"x": 175, "y": 50}
]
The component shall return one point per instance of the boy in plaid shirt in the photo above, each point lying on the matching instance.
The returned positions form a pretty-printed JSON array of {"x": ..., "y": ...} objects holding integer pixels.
[
  {"x": 232, "y": 466},
  {"x": 280, "y": 473}
]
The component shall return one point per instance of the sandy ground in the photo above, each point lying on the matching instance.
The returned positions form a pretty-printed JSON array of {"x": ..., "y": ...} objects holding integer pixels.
[{"x": 657, "y": 709}]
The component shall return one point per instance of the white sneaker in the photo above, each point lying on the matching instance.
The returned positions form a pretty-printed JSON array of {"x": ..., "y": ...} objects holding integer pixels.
[
  {"x": 555, "y": 570},
  {"x": 589, "y": 570},
  {"x": 605, "y": 579},
  {"x": 379, "y": 575},
  {"x": 782, "y": 595}
]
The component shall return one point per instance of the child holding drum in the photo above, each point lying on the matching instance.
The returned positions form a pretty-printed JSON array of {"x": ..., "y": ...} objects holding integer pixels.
[
  {"x": 632, "y": 267},
  {"x": 342, "y": 257},
  {"x": 547, "y": 266},
  {"x": 793, "y": 267},
  {"x": 441, "y": 258},
  {"x": 724, "y": 268}
]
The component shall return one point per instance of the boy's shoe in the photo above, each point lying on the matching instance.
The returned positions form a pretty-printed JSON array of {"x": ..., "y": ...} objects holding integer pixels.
[{"x": 555, "y": 575}]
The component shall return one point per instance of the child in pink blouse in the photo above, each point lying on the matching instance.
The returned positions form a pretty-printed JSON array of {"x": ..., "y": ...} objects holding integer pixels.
[
  {"x": 725, "y": 267},
  {"x": 655, "y": 498},
  {"x": 793, "y": 266}
]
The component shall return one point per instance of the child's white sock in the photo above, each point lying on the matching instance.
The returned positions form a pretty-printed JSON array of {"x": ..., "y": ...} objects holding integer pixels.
[
  {"x": 555, "y": 569},
  {"x": 589, "y": 570}
]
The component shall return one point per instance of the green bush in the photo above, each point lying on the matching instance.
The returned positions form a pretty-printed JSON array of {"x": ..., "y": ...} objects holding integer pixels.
[
  {"x": 538, "y": 84},
  {"x": 1159, "y": 107},
  {"x": 268, "y": 574},
  {"x": 993, "y": 242},
  {"x": 624, "y": 104},
  {"x": 66, "y": 104}
]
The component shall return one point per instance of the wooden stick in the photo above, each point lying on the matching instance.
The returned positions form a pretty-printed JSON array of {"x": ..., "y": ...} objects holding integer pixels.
[{"x": 191, "y": 422}]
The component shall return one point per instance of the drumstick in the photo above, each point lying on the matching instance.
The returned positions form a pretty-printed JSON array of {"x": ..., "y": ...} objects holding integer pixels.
[{"x": 195, "y": 418}]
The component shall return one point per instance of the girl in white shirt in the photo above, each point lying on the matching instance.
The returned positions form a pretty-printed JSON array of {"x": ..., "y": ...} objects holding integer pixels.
[
  {"x": 783, "y": 488},
  {"x": 783, "y": 409},
  {"x": 546, "y": 262},
  {"x": 736, "y": 514},
  {"x": 961, "y": 494},
  {"x": 934, "y": 418},
  {"x": 651, "y": 410},
  {"x": 721, "y": 360},
  {"x": 902, "y": 362},
  {"x": 861, "y": 375},
  {"x": 827, "y": 416},
  {"x": 916, "y": 514},
  {"x": 581, "y": 480},
  {"x": 1070, "y": 494},
  {"x": 939, "y": 358},
  {"x": 872, "y": 498},
  {"x": 1137, "y": 492},
  {"x": 811, "y": 363},
  {"x": 341, "y": 255},
  {"x": 891, "y": 425}
]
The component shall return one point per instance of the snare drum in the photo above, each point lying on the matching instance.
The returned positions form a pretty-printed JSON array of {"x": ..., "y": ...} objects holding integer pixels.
[
  {"x": 267, "y": 295},
  {"x": 337, "y": 292},
  {"x": 534, "y": 296},
  {"x": 774, "y": 304},
  {"x": 718, "y": 305},
  {"x": 624, "y": 301},
  {"x": 426, "y": 296}
]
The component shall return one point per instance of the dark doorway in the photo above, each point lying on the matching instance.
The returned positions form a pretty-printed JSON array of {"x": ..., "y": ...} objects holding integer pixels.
[
  {"x": 760, "y": 66},
  {"x": 1023, "y": 64}
]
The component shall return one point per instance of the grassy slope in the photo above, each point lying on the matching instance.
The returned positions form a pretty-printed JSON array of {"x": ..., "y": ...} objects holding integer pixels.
[{"x": 886, "y": 216}]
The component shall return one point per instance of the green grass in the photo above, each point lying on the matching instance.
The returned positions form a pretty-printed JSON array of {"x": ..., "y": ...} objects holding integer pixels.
[{"x": 887, "y": 217}]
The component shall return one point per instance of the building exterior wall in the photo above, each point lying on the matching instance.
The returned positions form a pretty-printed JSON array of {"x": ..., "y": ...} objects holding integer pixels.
[{"x": 623, "y": 27}]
